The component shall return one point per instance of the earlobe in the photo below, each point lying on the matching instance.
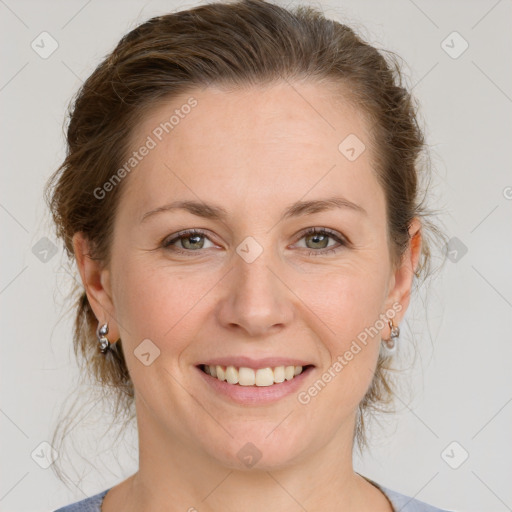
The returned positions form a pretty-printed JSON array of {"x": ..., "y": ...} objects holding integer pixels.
[{"x": 96, "y": 281}]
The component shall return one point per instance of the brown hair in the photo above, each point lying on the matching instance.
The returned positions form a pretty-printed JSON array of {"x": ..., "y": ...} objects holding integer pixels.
[{"x": 247, "y": 42}]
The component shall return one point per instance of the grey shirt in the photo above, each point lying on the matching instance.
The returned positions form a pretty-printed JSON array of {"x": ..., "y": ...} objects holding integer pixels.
[{"x": 399, "y": 502}]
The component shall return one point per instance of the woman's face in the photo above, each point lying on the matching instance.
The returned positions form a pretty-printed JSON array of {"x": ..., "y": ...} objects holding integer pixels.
[{"x": 253, "y": 283}]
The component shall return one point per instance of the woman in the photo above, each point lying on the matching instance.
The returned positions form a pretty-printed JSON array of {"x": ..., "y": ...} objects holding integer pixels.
[{"x": 241, "y": 197}]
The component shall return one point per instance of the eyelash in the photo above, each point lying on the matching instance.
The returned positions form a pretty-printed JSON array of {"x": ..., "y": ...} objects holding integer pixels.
[{"x": 167, "y": 243}]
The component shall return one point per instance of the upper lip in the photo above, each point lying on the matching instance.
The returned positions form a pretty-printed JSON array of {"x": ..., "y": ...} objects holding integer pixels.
[{"x": 249, "y": 362}]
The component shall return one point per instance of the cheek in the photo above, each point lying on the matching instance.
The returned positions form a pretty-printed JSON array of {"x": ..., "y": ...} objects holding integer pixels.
[
  {"x": 157, "y": 302},
  {"x": 346, "y": 302},
  {"x": 350, "y": 306}
]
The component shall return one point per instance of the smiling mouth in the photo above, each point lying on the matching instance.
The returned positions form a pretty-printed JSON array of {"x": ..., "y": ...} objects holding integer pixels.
[{"x": 244, "y": 376}]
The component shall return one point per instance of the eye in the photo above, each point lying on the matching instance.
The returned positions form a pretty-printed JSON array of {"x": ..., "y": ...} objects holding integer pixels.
[
  {"x": 190, "y": 240},
  {"x": 319, "y": 237}
]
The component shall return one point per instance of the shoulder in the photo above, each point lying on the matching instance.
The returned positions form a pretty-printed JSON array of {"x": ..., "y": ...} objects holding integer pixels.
[
  {"x": 404, "y": 503},
  {"x": 400, "y": 502},
  {"x": 91, "y": 504}
]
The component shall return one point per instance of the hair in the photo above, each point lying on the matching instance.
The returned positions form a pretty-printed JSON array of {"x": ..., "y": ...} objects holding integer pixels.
[{"x": 231, "y": 44}]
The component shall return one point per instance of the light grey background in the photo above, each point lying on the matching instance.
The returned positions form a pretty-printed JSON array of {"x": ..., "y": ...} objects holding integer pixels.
[{"x": 461, "y": 382}]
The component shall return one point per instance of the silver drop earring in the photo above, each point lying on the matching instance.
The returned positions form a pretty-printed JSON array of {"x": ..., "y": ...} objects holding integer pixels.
[
  {"x": 101, "y": 333},
  {"x": 391, "y": 344}
]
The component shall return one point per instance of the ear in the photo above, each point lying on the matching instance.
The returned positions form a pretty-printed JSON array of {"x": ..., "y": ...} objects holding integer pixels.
[
  {"x": 401, "y": 281},
  {"x": 96, "y": 281}
]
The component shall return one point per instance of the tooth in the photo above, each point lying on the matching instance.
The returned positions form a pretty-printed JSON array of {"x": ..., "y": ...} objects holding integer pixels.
[
  {"x": 249, "y": 377},
  {"x": 264, "y": 377},
  {"x": 289, "y": 372},
  {"x": 221, "y": 374},
  {"x": 231, "y": 375},
  {"x": 279, "y": 374},
  {"x": 246, "y": 376}
]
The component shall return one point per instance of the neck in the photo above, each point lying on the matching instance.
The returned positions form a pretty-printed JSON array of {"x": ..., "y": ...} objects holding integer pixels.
[{"x": 175, "y": 471}]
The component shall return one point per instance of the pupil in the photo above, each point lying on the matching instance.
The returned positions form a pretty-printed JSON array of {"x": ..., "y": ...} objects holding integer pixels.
[
  {"x": 193, "y": 237},
  {"x": 317, "y": 236}
]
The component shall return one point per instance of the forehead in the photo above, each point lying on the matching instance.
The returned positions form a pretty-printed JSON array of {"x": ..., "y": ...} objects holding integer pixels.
[{"x": 252, "y": 147}]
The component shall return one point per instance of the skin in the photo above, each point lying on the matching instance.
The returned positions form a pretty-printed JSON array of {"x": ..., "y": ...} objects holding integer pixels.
[{"x": 253, "y": 152}]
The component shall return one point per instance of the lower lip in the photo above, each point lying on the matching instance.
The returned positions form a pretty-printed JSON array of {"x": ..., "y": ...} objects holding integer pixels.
[{"x": 256, "y": 395}]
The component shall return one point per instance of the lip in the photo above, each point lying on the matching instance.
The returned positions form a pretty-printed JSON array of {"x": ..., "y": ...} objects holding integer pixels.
[
  {"x": 255, "y": 395},
  {"x": 249, "y": 362}
]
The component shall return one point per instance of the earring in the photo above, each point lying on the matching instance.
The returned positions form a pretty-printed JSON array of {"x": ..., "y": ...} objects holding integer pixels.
[
  {"x": 101, "y": 333},
  {"x": 391, "y": 344}
]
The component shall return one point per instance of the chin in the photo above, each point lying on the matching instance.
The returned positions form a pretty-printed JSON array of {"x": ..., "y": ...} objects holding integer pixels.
[{"x": 261, "y": 451}]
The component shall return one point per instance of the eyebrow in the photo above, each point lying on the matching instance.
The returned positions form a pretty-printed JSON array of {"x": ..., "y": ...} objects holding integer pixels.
[{"x": 214, "y": 212}]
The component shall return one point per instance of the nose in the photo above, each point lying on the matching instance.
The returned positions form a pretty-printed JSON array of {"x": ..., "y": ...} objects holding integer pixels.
[{"x": 256, "y": 299}]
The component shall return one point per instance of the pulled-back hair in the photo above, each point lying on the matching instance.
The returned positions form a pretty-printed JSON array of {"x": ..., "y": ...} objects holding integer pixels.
[{"x": 232, "y": 44}]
